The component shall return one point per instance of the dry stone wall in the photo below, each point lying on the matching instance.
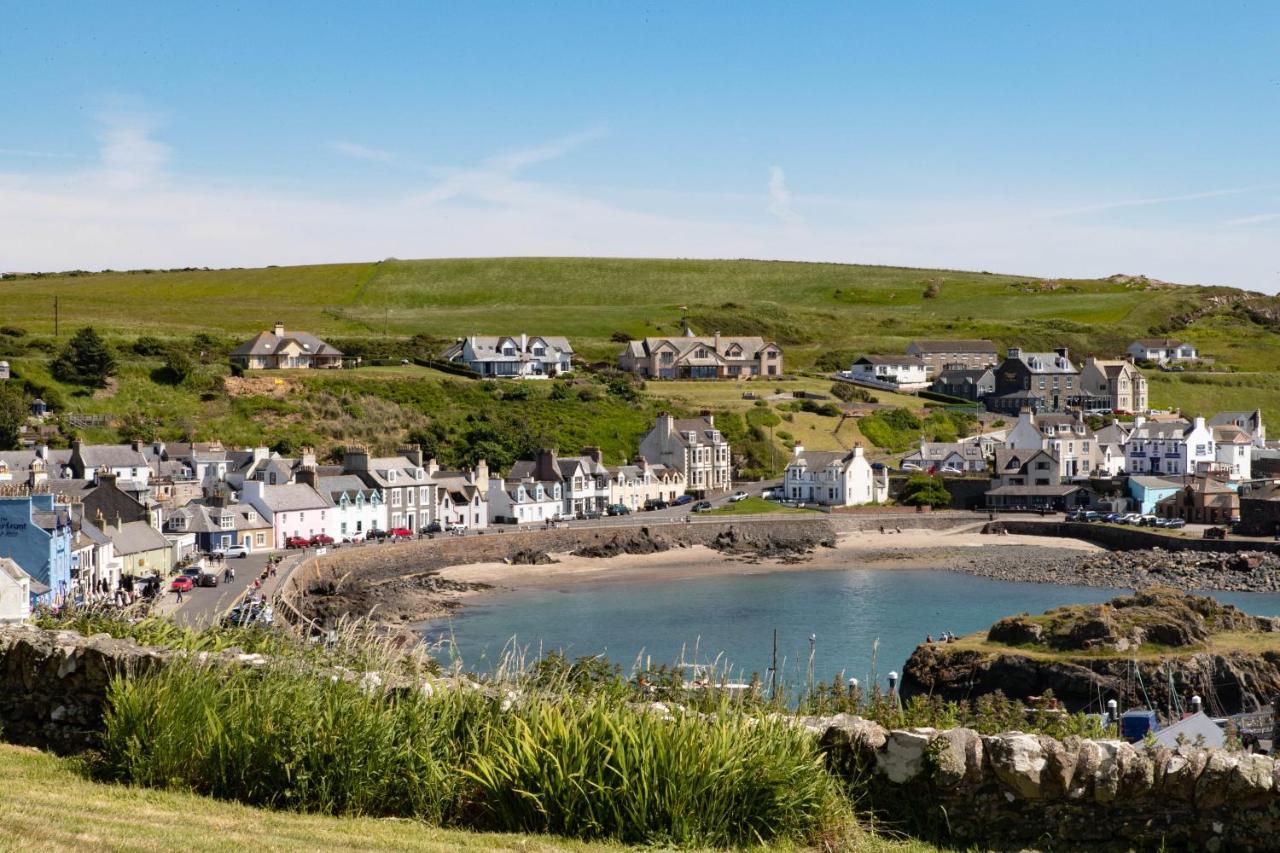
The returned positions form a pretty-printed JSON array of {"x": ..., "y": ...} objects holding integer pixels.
[{"x": 1017, "y": 789}]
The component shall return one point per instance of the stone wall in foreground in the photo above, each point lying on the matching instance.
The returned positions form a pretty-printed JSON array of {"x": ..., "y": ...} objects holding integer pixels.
[{"x": 1018, "y": 789}]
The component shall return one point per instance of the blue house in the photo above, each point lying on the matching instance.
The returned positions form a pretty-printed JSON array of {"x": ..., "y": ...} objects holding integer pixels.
[
  {"x": 36, "y": 533},
  {"x": 1149, "y": 491}
]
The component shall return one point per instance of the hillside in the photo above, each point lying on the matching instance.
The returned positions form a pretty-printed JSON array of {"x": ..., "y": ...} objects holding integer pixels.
[
  {"x": 809, "y": 308},
  {"x": 822, "y": 314}
]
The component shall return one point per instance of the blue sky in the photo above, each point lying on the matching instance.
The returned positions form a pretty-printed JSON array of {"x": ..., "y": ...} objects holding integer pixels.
[{"x": 1035, "y": 138}]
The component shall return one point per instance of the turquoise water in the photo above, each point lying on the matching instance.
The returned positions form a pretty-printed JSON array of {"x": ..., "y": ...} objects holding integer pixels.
[{"x": 848, "y": 611}]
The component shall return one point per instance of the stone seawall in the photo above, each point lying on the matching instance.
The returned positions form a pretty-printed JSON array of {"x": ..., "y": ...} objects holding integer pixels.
[
  {"x": 355, "y": 581},
  {"x": 1131, "y": 538},
  {"x": 1018, "y": 789}
]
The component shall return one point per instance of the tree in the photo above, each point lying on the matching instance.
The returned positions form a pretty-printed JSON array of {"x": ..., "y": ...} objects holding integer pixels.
[
  {"x": 13, "y": 415},
  {"x": 178, "y": 365},
  {"x": 923, "y": 490},
  {"x": 86, "y": 360}
]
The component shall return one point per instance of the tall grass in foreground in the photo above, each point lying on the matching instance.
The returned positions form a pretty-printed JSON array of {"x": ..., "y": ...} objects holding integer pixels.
[{"x": 589, "y": 766}]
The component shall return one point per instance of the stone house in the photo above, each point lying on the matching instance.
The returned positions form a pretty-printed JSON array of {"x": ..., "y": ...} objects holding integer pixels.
[
  {"x": 1204, "y": 500},
  {"x": 1120, "y": 384},
  {"x": 1040, "y": 381},
  {"x": 701, "y": 357},
  {"x": 280, "y": 350},
  {"x": 1260, "y": 509},
  {"x": 506, "y": 357},
  {"x": 834, "y": 478},
  {"x": 695, "y": 448},
  {"x": 940, "y": 355}
]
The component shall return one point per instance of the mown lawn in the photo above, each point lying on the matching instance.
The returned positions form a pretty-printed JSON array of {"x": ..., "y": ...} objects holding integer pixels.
[
  {"x": 46, "y": 805},
  {"x": 755, "y": 506}
]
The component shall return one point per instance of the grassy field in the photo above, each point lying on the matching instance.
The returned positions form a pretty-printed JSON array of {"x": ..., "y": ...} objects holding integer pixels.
[
  {"x": 822, "y": 314},
  {"x": 46, "y": 805},
  {"x": 754, "y": 506}
]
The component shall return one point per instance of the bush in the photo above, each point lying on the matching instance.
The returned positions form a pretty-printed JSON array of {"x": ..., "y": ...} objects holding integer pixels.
[
  {"x": 850, "y": 393},
  {"x": 86, "y": 360},
  {"x": 149, "y": 346},
  {"x": 620, "y": 338},
  {"x": 584, "y": 765},
  {"x": 924, "y": 490}
]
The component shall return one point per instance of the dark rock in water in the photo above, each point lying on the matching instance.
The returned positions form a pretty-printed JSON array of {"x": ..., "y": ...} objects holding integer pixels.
[
  {"x": 1129, "y": 649},
  {"x": 531, "y": 557}
]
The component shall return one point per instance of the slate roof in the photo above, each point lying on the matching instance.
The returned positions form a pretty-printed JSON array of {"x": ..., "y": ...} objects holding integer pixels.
[
  {"x": 1160, "y": 343},
  {"x": 292, "y": 497},
  {"x": 136, "y": 537},
  {"x": 751, "y": 345},
  {"x": 269, "y": 343},
  {"x": 112, "y": 456},
  {"x": 957, "y": 376},
  {"x": 1046, "y": 363},
  {"x": 348, "y": 484},
  {"x": 488, "y": 347},
  {"x": 900, "y": 360}
]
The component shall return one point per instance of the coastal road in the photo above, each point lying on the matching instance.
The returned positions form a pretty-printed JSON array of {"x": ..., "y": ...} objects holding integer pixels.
[{"x": 205, "y": 605}]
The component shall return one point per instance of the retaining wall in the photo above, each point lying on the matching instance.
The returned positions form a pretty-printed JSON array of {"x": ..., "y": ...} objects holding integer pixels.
[{"x": 1015, "y": 789}]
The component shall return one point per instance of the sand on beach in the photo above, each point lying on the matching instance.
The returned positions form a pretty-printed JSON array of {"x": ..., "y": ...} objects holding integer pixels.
[{"x": 910, "y": 549}]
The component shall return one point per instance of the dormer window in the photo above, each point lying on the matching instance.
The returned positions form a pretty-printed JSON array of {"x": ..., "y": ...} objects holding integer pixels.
[
  {"x": 508, "y": 350},
  {"x": 391, "y": 476}
]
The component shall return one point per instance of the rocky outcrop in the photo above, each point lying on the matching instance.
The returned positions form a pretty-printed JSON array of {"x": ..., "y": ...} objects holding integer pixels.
[
  {"x": 1025, "y": 790},
  {"x": 1128, "y": 649}
]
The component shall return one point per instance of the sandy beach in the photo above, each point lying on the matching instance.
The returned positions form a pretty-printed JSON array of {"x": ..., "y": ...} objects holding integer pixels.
[{"x": 907, "y": 550}]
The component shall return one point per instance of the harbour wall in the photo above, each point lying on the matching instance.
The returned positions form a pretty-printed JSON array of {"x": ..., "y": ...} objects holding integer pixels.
[{"x": 1129, "y": 538}]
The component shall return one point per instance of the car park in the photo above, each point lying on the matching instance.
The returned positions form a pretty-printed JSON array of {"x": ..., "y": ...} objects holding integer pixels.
[{"x": 738, "y": 496}]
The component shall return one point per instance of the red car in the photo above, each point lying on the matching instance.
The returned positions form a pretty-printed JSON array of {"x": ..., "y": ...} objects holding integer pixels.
[
  {"x": 296, "y": 542},
  {"x": 181, "y": 583},
  {"x": 321, "y": 539},
  {"x": 400, "y": 533}
]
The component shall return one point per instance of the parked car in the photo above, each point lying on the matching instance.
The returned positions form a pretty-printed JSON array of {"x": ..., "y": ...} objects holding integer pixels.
[
  {"x": 182, "y": 583},
  {"x": 701, "y": 506},
  {"x": 207, "y": 579},
  {"x": 1176, "y": 523},
  {"x": 619, "y": 509},
  {"x": 1149, "y": 521},
  {"x": 192, "y": 572},
  {"x": 738, "y": 496},
  {"x": 376, "y": 535},
  {"x": 297, "y": 542},
  {"x": 1131, "y": 518},
  {"x": 320, "y": 539},
  {"x": 234, "y": 552},
  {"x": 682, "y": 500},
  {"x": 1215, "y": 533},
  {"x": 433, "y": 527},
  {"x": 400, "y": 533},
  {"x": 589, "y": 515},
  {"x": 250, "y": 613},
  {"x": 655, "y": 503}
]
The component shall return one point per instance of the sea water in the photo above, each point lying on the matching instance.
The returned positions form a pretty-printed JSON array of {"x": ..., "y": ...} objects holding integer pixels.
[{"x": 862, "y": 622}]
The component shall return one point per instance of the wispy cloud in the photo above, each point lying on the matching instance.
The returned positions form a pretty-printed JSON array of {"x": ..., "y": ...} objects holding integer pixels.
[
  {"x": 780, "y": 197},
  {"x": 1256, "y": 219},
  {"x": 1102, "y": 207},
  {"x": 357, "y": 151},
  {"x": 131, "y": 156}
]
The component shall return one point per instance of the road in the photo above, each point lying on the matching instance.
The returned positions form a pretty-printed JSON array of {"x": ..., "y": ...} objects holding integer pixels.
[{"x": 205, "y": 605}]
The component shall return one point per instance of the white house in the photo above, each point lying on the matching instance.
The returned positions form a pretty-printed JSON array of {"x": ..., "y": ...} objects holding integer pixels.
[
  {"x": 15, "y": 593},
  {"x": 293, "y": 510},
  {"x": 126, "y": 461},
  {"x": 519, "y": 357},
  {"x": 906, "y": 372},
  {"x": 834, "y": 479},
  {"x": 1234, "y": 452},
  {"x": 1162, "y": 350},
  {"x": 1169, "y": 447},
  {"x": 462, "y": 497},
  {"x": 525, "y": 501},
  {"x": 584, "y": 479},
  {"x": 946, "y": 457},
  {"x": 357, "y": 507},
  {"x": 1068, "y": 440},
  {"x": 1250, "y": 422}
]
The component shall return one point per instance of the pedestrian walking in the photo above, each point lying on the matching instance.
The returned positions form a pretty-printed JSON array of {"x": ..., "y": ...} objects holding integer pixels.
[
  {"x": 179, "y": 591},
  {"x": 232, "y": 571}
]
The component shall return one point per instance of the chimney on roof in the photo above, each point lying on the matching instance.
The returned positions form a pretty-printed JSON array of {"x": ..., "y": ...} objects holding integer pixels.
[
  {"x": 717, "y": 340},
  {"x": 308, "y": 459},
  {"x": 355, "y": 458},
  {"x": 1015, "y": 352},
  {"x": 431, "y": 467},
  {"x": 481, "y": 473},
  {"x": 278, "y": 329},
  {"x": 797, "y": 451},
  {"x": 104, "y": 477},
  {"x": 306, "y": 477},
  {"x": 136, "y": 444},
  {"x": 413, "y": 453},
  {"x": 666, "y": 424},
  {"x": 42, "y": 452},
  {"x": 547, "y": 469}
]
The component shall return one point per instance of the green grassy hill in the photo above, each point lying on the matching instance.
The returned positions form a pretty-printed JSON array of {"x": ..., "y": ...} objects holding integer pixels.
[
  {"x": 823, "y": 315},
  {"x": 809, "y": 308}
]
